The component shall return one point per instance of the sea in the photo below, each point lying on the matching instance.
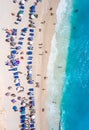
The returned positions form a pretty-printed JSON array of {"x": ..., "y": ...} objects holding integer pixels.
[{"x": 68, "y": 68}]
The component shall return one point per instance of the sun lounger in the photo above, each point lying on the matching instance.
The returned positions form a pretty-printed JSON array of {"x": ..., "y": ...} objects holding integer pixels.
[{"x": 13, "y": 69}]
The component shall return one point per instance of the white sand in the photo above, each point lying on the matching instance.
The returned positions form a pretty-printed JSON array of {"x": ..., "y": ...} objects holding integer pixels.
[{"x": 9, "y": 120}]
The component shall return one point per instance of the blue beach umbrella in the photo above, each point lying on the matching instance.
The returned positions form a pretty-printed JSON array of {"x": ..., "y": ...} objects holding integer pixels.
[
  {"x": 30, "y": 62},
  {"x": 31, "y": 89},
  {"x": 31, "y": 34},
  {"x": 21, "y": 43},
  {"x": 22, "y": 108},
  {"x": 30, "y": 58},
  {"x": 23, "y": 117},
  {"x": 18, "y": 84},
  {"x": 18, "y": 47},
  {"x": 31, "y": 30},
  {"x": 16, "y": 77},
  {"x": 14, "y": 52},
  {"x": 30, "y": 38},
  {"x": 15, "y": 108},
  {"x": 32, "y": 8},
  {"x": 29, "y": 52},
  {"x": 15, "y": 73},
  {"x": 24, "y": 29},
  {"x": 24, "y": 126},
  {"x": 30, "y": 82},
  {"x": 31, "y": 125}
]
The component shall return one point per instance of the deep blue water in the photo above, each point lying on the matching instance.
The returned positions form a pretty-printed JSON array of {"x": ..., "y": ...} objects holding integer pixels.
[{"x": 75, "y": 100}]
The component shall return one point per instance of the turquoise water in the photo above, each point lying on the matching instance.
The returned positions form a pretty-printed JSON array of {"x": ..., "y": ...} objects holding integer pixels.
[{"x": 75, "y": 99}]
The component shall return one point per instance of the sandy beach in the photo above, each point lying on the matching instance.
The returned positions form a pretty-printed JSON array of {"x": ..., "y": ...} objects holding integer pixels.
[{"x": 45, "y": 26}]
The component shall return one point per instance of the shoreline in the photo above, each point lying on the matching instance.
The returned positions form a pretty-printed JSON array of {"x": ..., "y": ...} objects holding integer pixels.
[{"x": 57, "y": 66}]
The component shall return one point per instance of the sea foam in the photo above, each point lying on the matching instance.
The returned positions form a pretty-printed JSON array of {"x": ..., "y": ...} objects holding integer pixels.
[{"x": 57, "y": 62}]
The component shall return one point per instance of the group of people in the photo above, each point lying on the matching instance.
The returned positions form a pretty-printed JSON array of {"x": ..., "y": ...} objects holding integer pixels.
[{"x": 27, "y": 120}]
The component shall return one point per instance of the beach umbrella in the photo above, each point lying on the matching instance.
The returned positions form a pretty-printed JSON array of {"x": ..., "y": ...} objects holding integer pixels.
[
  {"x": 21, "y": 38},
  {"x": 9, "y": 87},
  {"x": 22, "y": 2},
  {"x": 25, "y": 29},
  {"x": 29, "y": 52},
  {"x": 23, "y": 117},
  {"x": 24, "y": 126},
  {"x": 30, "y": 62},
  {"x": 13, "y": 95},
  {"x": 30, "y": 82},
  {"x": 18, "y": 47},
  {"x": 31, "y": 125},
  {"x": 22, "y": 108},
  {"x": 7, "y": 94},
  {"x": 22, "y": 7},
  {"x": 32, "y": 8},
  {"x": 12, "y": 39},
  {"x": 21, "y": 12},
  {"x": 14, "y": 52},
  {"x": 8, "y": 35},
  {"x": 16, "y": 77},
  {"x": 19, "y": 98},
  {"x": 31, "y": 30},
  {"x": 15, "y": 73},
  {"x": 31, "y": 89},
  {"x": 31, "y": 34},
  {"x": 13, "y": 100},
  {"x": 18, "y": 84},
  {"x": 33, "y": 117},
  {"x": 9, "y": 31},
  {"x": 13, "y": 43},
  {"x": 20, "y": 43},
  {"x": 18, "y": 62},
  {"x": 15, "y": 108}
]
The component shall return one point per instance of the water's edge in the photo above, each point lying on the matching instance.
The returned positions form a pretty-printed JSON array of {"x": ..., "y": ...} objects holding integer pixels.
[{"x": 57, "y": 63}]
